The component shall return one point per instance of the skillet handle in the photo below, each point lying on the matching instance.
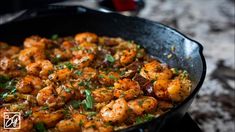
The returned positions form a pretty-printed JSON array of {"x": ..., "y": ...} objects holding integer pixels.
[{"x": 53, "y": 10}]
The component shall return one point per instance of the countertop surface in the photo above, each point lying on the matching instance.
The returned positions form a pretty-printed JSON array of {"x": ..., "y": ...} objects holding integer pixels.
[{"x": 210, "y": 22}]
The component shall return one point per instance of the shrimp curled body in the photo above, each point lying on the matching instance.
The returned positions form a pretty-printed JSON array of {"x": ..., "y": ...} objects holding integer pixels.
[{"x": 115, "y": 111}]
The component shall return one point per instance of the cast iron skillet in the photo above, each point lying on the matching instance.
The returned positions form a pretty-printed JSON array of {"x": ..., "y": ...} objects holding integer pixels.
[{"x": 158, "y": 39}]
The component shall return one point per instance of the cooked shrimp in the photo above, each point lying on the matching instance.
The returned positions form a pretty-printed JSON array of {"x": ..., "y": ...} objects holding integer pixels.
[
  {"x": 179, "y": 89},
  {"x": 149, "y": 70},
  {"x": 143, "y": 104},
  {"x": 36, "y": 41},
  {"x": 175, "y": 90},
  {"x": 46, "y": 96},
  {"x": 40, "y": 68},
  {"x": 165, "y": 73},
  {"x": 55, "y": 97},
  {"x": 28, "y": 84},
  {"x": 26, "y": 125},
  {"x": 62, "y": 54},
  {"x": 67, "y": 45},
  {"x": 127, "y": 56},
  {"x": 7, "y": 50},
  {"x": 50, "y": 119},
  {"x": 30, "y": 55},
  {"x": 85, "y": 83},
  {"x": 160, "y": 87},
  {"x": 126, "y": 53},
  {"x": 71, "y": 125},
  {"x": 115, "y": 111},
  {"x": 102, "y": 95},
  {"x": 68, "y": 126},
  {"x": 97, "y": 126},
  {"x": 7, "y": 64},
  {"x": 60, "y": 75},
  {"x": 127, "y": 88},
  {"x": 108, "y": 79},
  {"x": 83, "y": 61},
  {"x": 84, "y": 54},
  {"x": 64, "y": 93},
  {"x": 86, "y": 37},
  {"x": 88, "y": 47},
  {"x": 109, "y": 41},
  {"x": 87, "y": 73},
  {"x": 154, "y": 70}
]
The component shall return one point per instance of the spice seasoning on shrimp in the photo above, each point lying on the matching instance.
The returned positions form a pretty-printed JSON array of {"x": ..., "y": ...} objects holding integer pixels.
[{"x": 86, "y": 82}]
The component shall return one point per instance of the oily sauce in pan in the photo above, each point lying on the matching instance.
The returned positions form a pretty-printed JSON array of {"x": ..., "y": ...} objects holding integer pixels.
[{"x": 85, "y": 83}]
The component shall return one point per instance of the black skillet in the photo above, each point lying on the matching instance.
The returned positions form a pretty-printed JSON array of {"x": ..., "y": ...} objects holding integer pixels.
[{"x": 158, "y": 39}]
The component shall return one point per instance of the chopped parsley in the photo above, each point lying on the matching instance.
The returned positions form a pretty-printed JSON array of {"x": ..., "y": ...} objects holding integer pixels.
[
  {"x": 109, "y": 58},
  {"x": 28, "y": 113},
  {"x": 8, "y": 86},
  {"x": 87, "y": 84},
  {"x": 69, "y": 65},
  {"x": 63, "y": 65},
  {"x": 91, "y": 113},
  {"x": 56, "y": 59},
  {"x": 101, "y": 76},
  {"x": 80, "y": 123},
  {"x": 40, "y": 127},
  {"x": 67, "y": 90},
  {"x": 75, "y": 103},
  {"x": 54, "y": 36},
  {"x": 175, "y": 71},
  {"x": 184, "y": 74},
  {"x": 4, "y": 78},
  {"x": 76, "y": 48},
  {"x": 79, "y": 73},
  {"x": 44, "y": 108},
  {"x": 112, "y": 77},
  {"x": 88, "y": 102},
  {"x": 144, "y": 118}
]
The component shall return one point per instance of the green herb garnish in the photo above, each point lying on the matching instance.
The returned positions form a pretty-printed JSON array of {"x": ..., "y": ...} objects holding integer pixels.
[
  {"x": 69, "y": 65},
  {"x": 109, "y": 58},
  {"x": 184, "y": 74},
  {"x": 80, "y": 123},
  {"x": 144, "y": 118},
  {"x": 40, "y": 127},
  {"x": 28, "y": 113},
  {"x": 91, "y": 113},
  {"x": 100, "y": 76},
  {"x": 44, "y": 108},
  {"x": 81, "y": 84},
  {"x": 79, "y": 73},
  {"x": 8, "y": 86},
  {"x": 4, "y": 78},
  {"x": 88, "y": 102},
  {"x": 56, "y": 59},
  {"x": 112, "y": 77},
  {"x": 67, "y": 90},
  {"x": 175, "y": 71},
  {"x": 54, "y": 36},
  {"x": 85, "y": 83},
  {"x": 75, "y": 104}
]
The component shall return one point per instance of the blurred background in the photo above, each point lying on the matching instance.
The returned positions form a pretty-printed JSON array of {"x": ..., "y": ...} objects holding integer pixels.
[{"x": 210, "y": 22}]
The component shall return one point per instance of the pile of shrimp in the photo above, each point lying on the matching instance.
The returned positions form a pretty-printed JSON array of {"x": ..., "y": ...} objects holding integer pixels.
[{"x": 85, "y": 83}]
